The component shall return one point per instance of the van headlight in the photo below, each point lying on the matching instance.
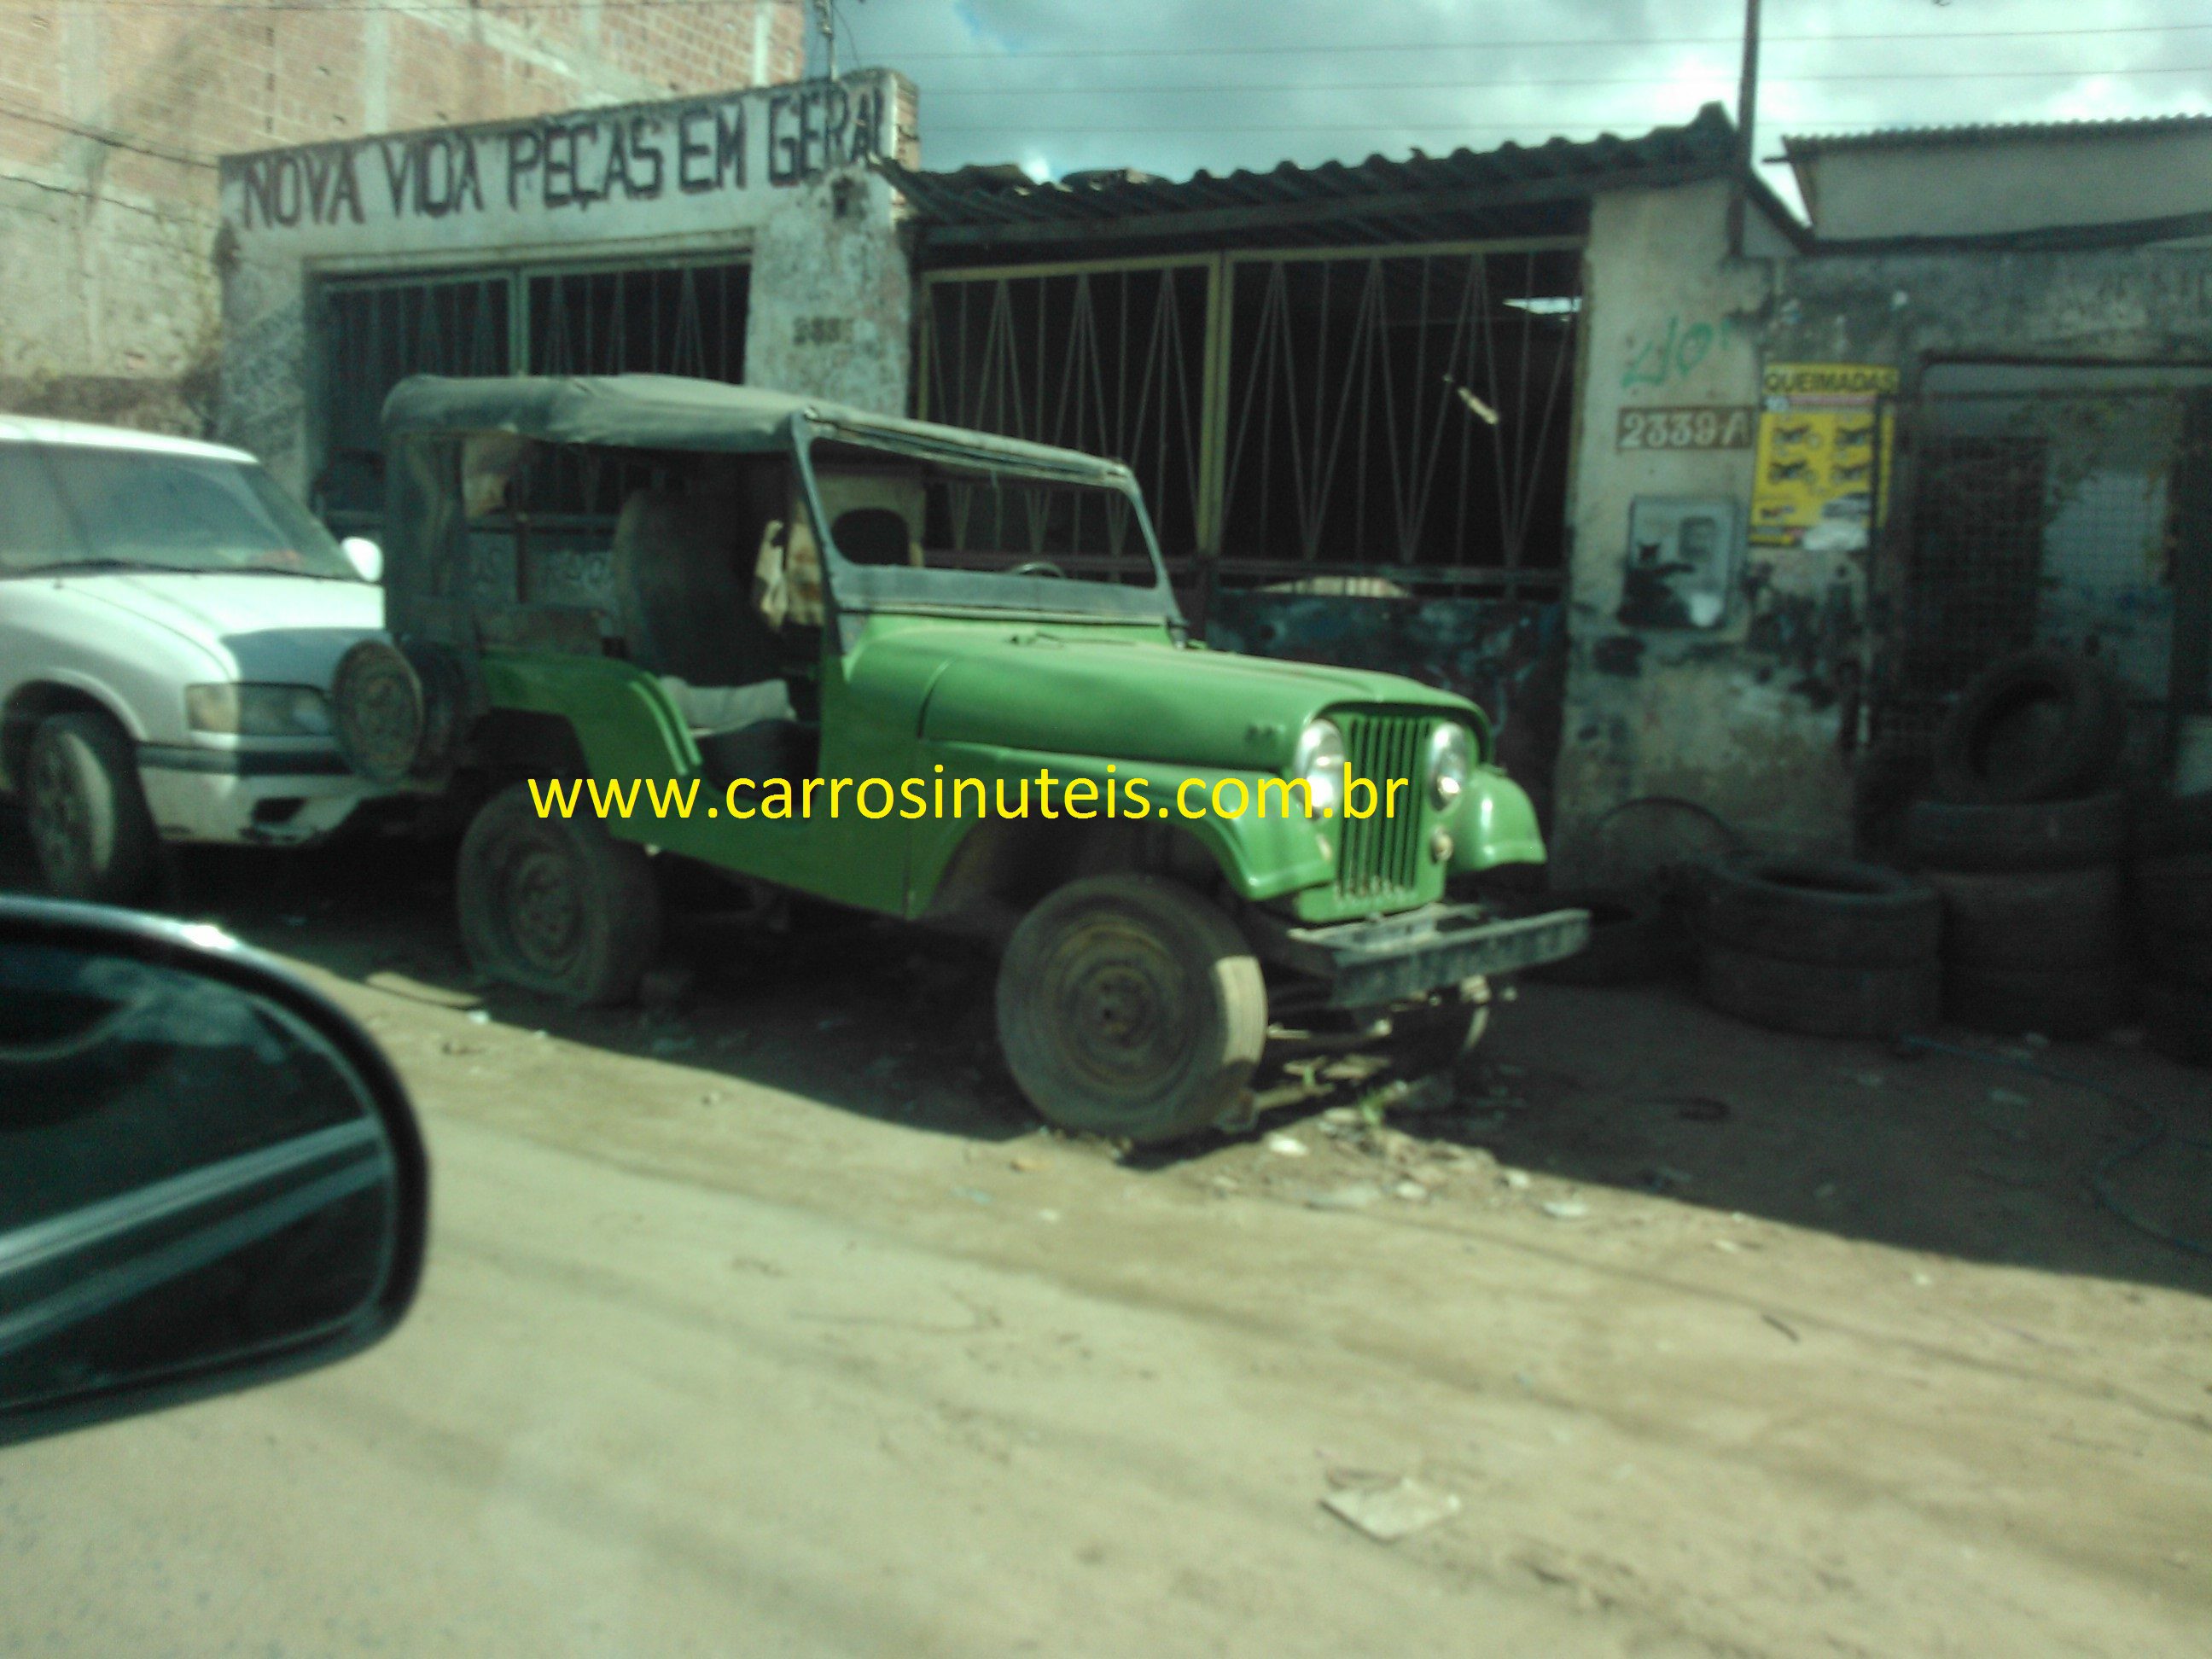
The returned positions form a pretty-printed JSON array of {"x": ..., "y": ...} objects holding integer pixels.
[
  {"x": 1318, "y": 761},
  {"x": 1451, "y": 763},
  {"x": 257, "y": 711}
]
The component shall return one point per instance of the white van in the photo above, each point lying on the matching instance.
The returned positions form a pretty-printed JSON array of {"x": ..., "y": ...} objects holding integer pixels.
[{"x": 169, "y": 623}]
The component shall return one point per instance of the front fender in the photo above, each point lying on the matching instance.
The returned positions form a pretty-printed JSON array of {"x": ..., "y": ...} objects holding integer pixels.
[
  {"x": 623, "y": 719},
  {"x": 1261, "y": 858},
  {"x": 1495, "y": 823}
]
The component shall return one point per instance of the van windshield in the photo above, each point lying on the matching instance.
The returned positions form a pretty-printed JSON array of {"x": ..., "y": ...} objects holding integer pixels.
[{"x": 80, "y": 505}]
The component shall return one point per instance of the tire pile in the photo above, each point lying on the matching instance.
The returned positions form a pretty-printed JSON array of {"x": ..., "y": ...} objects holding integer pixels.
[
  {"x": 2025, "y": 839},
  {"x": 1824, "y": 946},
  {"x": 2173, "y": 910}
]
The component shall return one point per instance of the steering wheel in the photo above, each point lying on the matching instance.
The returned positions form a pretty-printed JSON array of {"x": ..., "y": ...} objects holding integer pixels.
[{"x": 1038, "y": 568}]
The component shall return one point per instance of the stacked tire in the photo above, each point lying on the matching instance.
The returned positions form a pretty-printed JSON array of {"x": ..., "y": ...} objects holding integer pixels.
[
  {"x": 1823, "y": 947},
  {"x": 2174, "y": 908},
  {"x": 2026, "y": 840}
]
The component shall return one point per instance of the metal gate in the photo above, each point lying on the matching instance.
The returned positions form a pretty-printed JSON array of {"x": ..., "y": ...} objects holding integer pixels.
[
  {"x": 2042, "y": 506},
  {"x": 1296, "y": 416},
  {"x": 681, "y": 318}
]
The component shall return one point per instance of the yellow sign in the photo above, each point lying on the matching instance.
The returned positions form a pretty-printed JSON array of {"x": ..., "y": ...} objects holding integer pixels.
[{"x": 1825, "y": 445}]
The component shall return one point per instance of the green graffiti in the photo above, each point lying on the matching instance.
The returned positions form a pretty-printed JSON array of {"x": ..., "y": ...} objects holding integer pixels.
[{"x": 1676, "y": 353}]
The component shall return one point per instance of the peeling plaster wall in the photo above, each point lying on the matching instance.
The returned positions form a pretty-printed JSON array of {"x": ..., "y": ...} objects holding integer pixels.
[
  {"x": 1757, "y": 720},
  {"x": 1744, "y": 718}
]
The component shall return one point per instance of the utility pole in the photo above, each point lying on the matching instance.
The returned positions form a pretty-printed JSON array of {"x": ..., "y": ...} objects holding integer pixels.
[
  {"x": 1747, "y": 120},
  {"x": 825, "y": 19}
]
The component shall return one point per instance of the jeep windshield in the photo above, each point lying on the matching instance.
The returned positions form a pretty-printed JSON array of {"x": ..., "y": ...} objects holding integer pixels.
[
  {"x": 81, "y": 507},
  {"x": 979, "y": 533}
]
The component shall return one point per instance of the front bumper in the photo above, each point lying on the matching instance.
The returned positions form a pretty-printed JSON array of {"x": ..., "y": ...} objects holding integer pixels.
[
  {"x": 1364, "y": 964},
  {"x": 254, "y": 798}
]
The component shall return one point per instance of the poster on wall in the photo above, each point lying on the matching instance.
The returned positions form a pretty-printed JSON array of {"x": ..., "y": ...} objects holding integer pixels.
[{"x": 1825, "y": 443}]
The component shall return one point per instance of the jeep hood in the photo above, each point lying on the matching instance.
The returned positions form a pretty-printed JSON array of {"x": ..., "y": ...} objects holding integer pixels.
[
  {"x": 1061, "y": 691},
  {"x": 286, "y": 629}
]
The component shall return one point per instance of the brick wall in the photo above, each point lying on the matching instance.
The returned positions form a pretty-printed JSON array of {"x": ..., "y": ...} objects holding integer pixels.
[{"x": 112, "y": 118}]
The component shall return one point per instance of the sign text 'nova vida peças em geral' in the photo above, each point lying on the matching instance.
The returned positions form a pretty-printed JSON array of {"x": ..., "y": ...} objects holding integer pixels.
[{"x": 570, "y": 163}]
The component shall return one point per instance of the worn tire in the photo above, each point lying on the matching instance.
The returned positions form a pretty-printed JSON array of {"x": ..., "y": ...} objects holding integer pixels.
[
  {"x": 396, "y": 710},
  {"x": 556, "y": 905},
  {"x": 1818, "y": 999},
  {"x": 2070, "y": 1004},
  {"x": 2041, "y": 726},
  {"x": 2026, "y": 836},
  {"x": 1824, "y": 911},
  {"x": 1130, "y": 1007},
  {"x": 2055, "y": 919},
  {"x": 2178, "y": 1022},
  {"x": 85, "y": 810},
  {"x": 2172, "y": 826},
  {"x": 1629, "y": 942}
]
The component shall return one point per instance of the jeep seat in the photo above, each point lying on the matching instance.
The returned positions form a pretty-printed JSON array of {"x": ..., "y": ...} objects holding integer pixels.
[{"x": 682, "y": 603}]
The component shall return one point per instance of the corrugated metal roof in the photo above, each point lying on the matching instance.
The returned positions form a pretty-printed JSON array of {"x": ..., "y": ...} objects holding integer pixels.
[
  {"x": 1994, "y": 132},
  {"x": 1511, "y": 190}
]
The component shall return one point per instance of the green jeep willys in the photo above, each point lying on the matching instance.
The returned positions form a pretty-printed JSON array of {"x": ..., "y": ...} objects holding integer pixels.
[{"x": 930, "y": 673}]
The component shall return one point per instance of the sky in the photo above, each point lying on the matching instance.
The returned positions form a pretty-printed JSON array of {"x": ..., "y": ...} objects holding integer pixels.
[{"x": 1173, "y": 86}]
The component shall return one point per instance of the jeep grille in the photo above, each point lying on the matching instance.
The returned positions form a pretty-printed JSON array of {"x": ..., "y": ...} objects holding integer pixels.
[{"x": 1381, "y": 856}]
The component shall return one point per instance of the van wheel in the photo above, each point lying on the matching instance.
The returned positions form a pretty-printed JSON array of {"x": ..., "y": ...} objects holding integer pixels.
[
  {"x": 556, "y": 905},
  {"x": 1130, "y": 1007},
  {"x": 86, "y": 812}
]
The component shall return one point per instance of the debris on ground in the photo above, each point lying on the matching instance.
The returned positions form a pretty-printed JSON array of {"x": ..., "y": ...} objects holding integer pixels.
[
  {"x": 1387, "y": 1512},
  {"x": 1517, "y": 1179},
  {"x": 1286, "y": 1145},
  {"x": 1357, "y": 1196},
  {"x": 1565, "y": 1209}
]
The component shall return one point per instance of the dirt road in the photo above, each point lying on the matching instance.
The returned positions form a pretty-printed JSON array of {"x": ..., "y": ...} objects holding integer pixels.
[{"x": 764, "y": 1323}]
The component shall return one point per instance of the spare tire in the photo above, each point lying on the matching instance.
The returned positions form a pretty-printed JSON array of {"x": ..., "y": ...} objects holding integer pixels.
[
  {"x": 1818, "y": 999},
  {"x": 1820, "y": 911},
  {"x": 396, "y": 710},
  {"x": 2062, "y": 835},
  {"x": 2042, "y": 726},
  {"x": 1629, "y": 942}
]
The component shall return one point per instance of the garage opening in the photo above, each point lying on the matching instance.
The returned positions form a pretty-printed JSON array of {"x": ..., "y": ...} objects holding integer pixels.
[{"x": 682, "y": 318}]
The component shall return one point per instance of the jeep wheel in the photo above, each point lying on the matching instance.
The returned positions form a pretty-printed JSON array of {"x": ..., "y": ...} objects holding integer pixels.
[
  {"x": 1130, "y": 1007},
  {"x": 86, "y": 811},
  {"x": 556, "y": 905}
]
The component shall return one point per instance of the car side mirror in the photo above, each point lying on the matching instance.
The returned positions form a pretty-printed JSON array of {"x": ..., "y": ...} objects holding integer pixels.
[
  {"x": 365, "y": 556},
  {"x": 209, "y": 1174}
]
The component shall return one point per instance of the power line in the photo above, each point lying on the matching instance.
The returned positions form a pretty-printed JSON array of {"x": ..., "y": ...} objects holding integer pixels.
[
  {"x": 1715, "y": 74},
  {"x": 1611, "y": 41}
]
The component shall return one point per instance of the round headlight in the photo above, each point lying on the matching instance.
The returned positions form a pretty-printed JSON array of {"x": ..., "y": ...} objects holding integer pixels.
[
  {"x": 1319, "y": 761},
  {"x": 1451, "y": 763}
]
